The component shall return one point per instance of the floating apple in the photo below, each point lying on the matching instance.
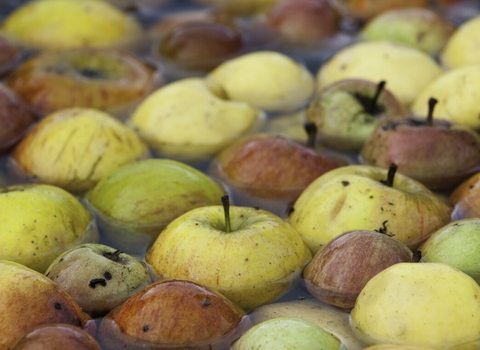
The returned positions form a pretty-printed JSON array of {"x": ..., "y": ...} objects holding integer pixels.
[
  {"x": 173, "y": 314},
  {"x": 286, "y": 333},
  {"x": 249, "y": 255},
  {"x": 39, "y": 222},
  {"x": 346, "y": 112},
  {"x": 363, "y": 197},
  {"x": 110, "y": 80},
  {"x": 240, "y": 7},
  {"x": 29, "y": 299},
  {"x": 436, "y": 152},
  {"x": 136, "y": 202},
  {"x": 98, "y": 277},
  {"x": 339, "y": 271},
  {"x": 59, "y": 24},
  {"x": 423, "y": 304},
  {"x": 465, "y": 199},
  {"x": 406, "y": 70},
  {"x": 396, "y": 347}
]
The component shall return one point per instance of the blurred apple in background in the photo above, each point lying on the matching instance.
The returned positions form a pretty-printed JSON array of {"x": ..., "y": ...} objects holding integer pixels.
[
  {"x": 192, "y": 119},
  {"x": 39, "y": 222},
  {"x": 268, "y": 80},
  {"x": 457, "y": 92},
  {"x": 465, "y": 199},
  {"x": 286, "y": 333},
  {"x": 10, "y": 54},
  {"x": 347, "y": 111},
  {"x": 339, "y": 271},
  {"x": 15, "y": 119},
  {"x": 107, "y": 79},
  {"x": 56, "y": 337},
  {"x": 59, "y": 24},
  {"x": 240, "y": 7},
  {"x": 456, "y": 244},
  {"x": 363, "y": 197},
  {"x": 75, "y": 148},
  {"x": 397, "y": 347},
  {"x": 98, "y": 277},
  {"x": 423, "y": 304},
  {"x": 436, "y": 152},
  {"x": 406, "y": 70},
  {"x": 29, "y": 299},
  {"x": 134, "y": 203},
  {"x": 421, "y": 28},
  {"x": 173, "y": 314},
  {"x": 249, "y": 255}
]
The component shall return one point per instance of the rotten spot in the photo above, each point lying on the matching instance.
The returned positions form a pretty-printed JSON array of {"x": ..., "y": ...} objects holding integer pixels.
[
  {"x": 58, "y": 306},
  {"x": 93, "y": 283},
  {"x": 345, "y": 183},
  {"x": 145, "y": 328},
  {"x": 107, "y": 275},
  {"x": 206, "y": 302}
]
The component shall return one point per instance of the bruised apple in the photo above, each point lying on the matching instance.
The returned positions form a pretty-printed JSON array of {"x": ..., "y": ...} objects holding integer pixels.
[{"x": 465, "y": 199}]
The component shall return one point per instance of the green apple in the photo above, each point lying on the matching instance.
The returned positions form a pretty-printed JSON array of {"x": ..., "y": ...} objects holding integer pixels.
[
  {"x": 286, "y": 333},
  {"x": 60, "y": 24},
  {"x": 422, "y": 304},
  {"x": 39, "y": 222},
  {"x": 407, "y": 70},
  {"x": 362, "y": 197},
  {"x": 249, "y": 255},
  {"x": 75, "y": 148},
  {"x": 29, "y": 299},
  {"x": 269, "y": 80},
  {"x": 191, "y": 119},
  {"x": 462, "y": 48},
  {"x": 173, "y": 314},
  {"x": 98, "y": 277},
  {"x": 136, "y": 202}
]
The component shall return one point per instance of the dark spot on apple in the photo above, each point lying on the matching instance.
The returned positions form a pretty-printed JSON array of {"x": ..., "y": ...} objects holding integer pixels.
[
  {"x": 61, "y": 259},
  {"x": 107, "y": 275},
  {"x": 93, "y": 282},
  {"x": 390, "y": 203},
  {"x": 383, "y": 229},
  {"x": 91, "y": 73},
  {"x": 58, "y": 306},
  {"x": 370, "y": 197},
  {"x": 345, "y": 183},
  {"x": 206, "y": 302},
  {"x": 246, "y": 259},
  {"x": 115, "y": 256},
  {"x": 145, "y": 328}
]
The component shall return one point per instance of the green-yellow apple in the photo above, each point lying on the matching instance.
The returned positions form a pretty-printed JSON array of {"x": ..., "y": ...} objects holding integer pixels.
[
  {"x": 29, "y": 299},
  {"x": 173, "y": 314},
  {"x": 286, "y": 333},
  {"x": 75, "y": 148},
  {"x": 457, "y": 91},
  {"x": 249, "y": 255},
  {"x": 269, "y": 80},
  {"x": 192, "y": 119},
  {"x": 465, "y": 199},
  {"x": 240, "y": 7},
  {"x": 60, "y": 24},
  {"x": 98, "y": 277},
  {"x": 423, "y": 304},
  {"x": 136, "y": 202},
  {"x": 371, "y": 198},
  {"x": 406, "y": 70},
  {"x": 38, "y": 222},
  {"x": 397, "y": 347},
  {"x": 462, "y": 47}
]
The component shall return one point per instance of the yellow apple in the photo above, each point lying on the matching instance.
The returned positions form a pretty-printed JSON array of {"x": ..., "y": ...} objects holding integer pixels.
[
  {"x": 463, "y": 47},
  {"x": 240, "y": 7}
]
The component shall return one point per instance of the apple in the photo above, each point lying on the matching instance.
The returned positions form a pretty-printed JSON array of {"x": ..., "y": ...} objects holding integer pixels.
[
  {"x": 363, "y": 197},
  {"x": 407, "y": 70},
  {"x": 192, "y": 119},
  {"x": 422, "y": 304},
  {"x": 339, "y": 271},
  {"x": 268, "y": 80},
  {"x": 39, "y": 222},
  {"x": 74, "y": 149},
  {"x": 462, "y": 47},
  {"x": 29, "y": 299},
  {"x": 56, "y": 337},
  {"x": 456, "y": 91},
  {"x": 286, "y": 333},
  {"x": 173, "y": 314},
  {"x": 249, "y": 255},
  {"x": 347, "y": 111},
  {"x": 240, "y": 7},
  {"x": 98, "y": 277},
  {"x": 397, "y": 347},
  {"x": 10, "y": 54},
  {"x": 438, "y": 153},
  {"x": 134, "y": 203},
  {"x": 465, "y": 199},
  {"x": 111, "y": 80},
  {"x": 59, "y": 24}
]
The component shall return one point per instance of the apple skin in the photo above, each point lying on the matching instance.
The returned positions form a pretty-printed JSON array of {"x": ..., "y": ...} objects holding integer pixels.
[
  {"x": 354, "y": 198},
  {"x": 440, "y": 155},
  {"x": 462, "y": 48},
  {"x": 56, "y": 337},
  {"x": 173, "y": 314},
  {"x": 465, "y": 199},
  {"x": 339, "y": 271},
  {"x": 10, "y": 54},
  {"x": 119, "y": 276},
  {"x": 29, "y": 299},
  {"x": 255, "y": 263}
]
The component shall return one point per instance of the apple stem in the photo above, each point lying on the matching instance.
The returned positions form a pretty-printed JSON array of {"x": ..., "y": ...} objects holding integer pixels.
[
  {"x": 226, "y": 209},
  {"x": 431, "y": 106},
  {"x": 311, "y": 129},
  {"x": 373, "y": 102},
  {"x": 392, "y": 169}
]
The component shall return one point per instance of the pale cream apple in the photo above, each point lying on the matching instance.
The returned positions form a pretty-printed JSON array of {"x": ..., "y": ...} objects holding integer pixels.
[{"x": 463, "y": 47}]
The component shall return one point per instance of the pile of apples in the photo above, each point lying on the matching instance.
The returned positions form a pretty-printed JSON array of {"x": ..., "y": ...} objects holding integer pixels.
[{"x": 240, "y": 174}]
